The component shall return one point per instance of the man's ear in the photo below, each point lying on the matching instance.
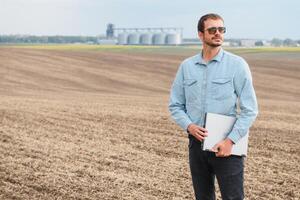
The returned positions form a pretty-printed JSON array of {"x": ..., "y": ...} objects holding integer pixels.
[{"x": 200, "y": 35}]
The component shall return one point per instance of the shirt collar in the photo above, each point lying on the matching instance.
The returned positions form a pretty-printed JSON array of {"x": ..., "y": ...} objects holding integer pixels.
[{"x": 218, "y": 57}]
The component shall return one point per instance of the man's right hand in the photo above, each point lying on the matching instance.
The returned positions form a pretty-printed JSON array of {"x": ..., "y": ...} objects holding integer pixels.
[{"x": 198, "y": 132}]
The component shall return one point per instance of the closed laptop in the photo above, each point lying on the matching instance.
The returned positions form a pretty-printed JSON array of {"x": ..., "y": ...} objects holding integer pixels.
[{"x": 218, "y": 127}]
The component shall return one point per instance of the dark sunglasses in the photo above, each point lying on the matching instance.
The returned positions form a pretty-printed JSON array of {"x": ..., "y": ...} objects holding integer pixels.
[{"x": 213, "y": 30}]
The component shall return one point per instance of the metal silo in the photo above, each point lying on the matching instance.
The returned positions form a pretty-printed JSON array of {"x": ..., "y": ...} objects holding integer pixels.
[
  {"x": 159, "y": 39},
  {"x": 122, "y": 38},
  {"x": 146, "y": 39},
  {"x": 133, "y": 39},
  {"x": 173, "y": 39}
]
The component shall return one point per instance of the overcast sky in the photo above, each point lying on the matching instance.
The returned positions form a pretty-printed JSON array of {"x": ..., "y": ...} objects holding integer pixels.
[{"x": 263, "y": 19}]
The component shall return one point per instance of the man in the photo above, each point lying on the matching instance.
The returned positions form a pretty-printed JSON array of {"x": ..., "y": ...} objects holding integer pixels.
[{"x": 214, "y": 81}]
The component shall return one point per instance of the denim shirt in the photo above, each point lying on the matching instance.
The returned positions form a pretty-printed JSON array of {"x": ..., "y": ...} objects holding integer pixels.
[{"x": 221, "y": 86}]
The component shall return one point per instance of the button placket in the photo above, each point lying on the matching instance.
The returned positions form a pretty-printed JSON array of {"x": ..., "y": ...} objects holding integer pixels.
[{"x": 203, "y": 93}]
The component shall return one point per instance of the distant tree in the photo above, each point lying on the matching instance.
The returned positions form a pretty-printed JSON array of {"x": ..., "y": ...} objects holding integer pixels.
[
  {"x": 289, "y": 42},
  {"x": 276, "y": 42},
  {"x": 259, "y": 43}
]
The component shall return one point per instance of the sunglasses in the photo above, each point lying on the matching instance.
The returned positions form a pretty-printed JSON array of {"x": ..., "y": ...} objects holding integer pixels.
[{"x": 213, "y": 30}]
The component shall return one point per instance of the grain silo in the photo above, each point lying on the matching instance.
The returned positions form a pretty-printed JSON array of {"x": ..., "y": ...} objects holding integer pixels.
[
  {"x": 122, "y": 38},
  {"x": 159, "y": 38},
  {"x": 134, "y": 38},
  {"x": 173, "y": 39},
  {"x": 146, "y": 39},
  {"x": 149, "y": 36}
]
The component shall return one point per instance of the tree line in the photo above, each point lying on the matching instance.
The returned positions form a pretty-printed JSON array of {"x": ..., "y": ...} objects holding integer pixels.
[
  {"x": 31, "y": 39},
  {"x": 285, "y": 42},
  {"x": 47, "y": 39}
]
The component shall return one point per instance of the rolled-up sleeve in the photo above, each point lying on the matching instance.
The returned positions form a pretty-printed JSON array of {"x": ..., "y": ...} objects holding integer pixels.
[
  {"x": 247, "y": 102},
  {"x": 177, "y": 101}
]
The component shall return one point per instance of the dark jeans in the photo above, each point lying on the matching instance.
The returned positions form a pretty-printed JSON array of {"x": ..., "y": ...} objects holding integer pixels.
[{"x": 205, "y": 166}]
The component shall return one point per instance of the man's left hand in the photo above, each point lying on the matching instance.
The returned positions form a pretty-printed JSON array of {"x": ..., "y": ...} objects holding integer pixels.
[{"x": 223, "y": 148}]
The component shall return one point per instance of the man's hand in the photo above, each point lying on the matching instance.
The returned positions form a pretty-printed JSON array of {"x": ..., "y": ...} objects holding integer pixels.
[
  {"x": 197, "y": 131},
  {"x": 223, "y": 148}
]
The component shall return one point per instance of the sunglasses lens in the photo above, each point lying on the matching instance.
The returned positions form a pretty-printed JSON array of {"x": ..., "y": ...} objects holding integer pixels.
[
  {"x": 222, "y": 29},
  {"x": 212, "y": 30}
]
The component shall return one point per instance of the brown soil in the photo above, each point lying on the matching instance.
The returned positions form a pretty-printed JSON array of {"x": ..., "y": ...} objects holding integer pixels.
[{"x": 95, "y": 125}]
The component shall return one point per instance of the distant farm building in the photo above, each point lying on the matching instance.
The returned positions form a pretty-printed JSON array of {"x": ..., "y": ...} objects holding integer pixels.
[
  {"x": 248, "y": 42},
  {"x": 145, "y": 36}
]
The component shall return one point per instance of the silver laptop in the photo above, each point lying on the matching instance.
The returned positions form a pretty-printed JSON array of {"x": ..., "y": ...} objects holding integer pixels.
[{"x": 218, "y": 127}]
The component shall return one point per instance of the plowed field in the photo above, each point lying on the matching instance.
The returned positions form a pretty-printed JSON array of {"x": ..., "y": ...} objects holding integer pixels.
[{"x": 87, "y": 124}]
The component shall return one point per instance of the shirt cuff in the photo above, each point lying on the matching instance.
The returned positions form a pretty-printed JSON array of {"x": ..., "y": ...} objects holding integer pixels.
[
  {"x": 185, "y": 123},
  {"x": 234, "y": 136}
]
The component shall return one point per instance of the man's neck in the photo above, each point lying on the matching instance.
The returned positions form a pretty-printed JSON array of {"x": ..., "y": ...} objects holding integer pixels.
[{"x": 209, "y": 52}]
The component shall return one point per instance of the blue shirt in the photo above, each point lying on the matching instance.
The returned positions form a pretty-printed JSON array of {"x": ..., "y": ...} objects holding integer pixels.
[{"x": 221, "y": 86}]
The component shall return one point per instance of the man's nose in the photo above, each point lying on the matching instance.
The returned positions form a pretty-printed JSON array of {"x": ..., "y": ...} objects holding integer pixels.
[{"x": 217, "y": 33}]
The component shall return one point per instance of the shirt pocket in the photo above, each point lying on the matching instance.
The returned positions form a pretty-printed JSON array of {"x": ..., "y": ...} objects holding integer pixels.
[
  {"x": 222, "y": 88},
  {"x": 190, "y": 90}
]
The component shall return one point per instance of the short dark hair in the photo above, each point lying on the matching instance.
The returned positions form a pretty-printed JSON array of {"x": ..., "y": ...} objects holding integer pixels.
[{"x": 206, "y": 17}]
